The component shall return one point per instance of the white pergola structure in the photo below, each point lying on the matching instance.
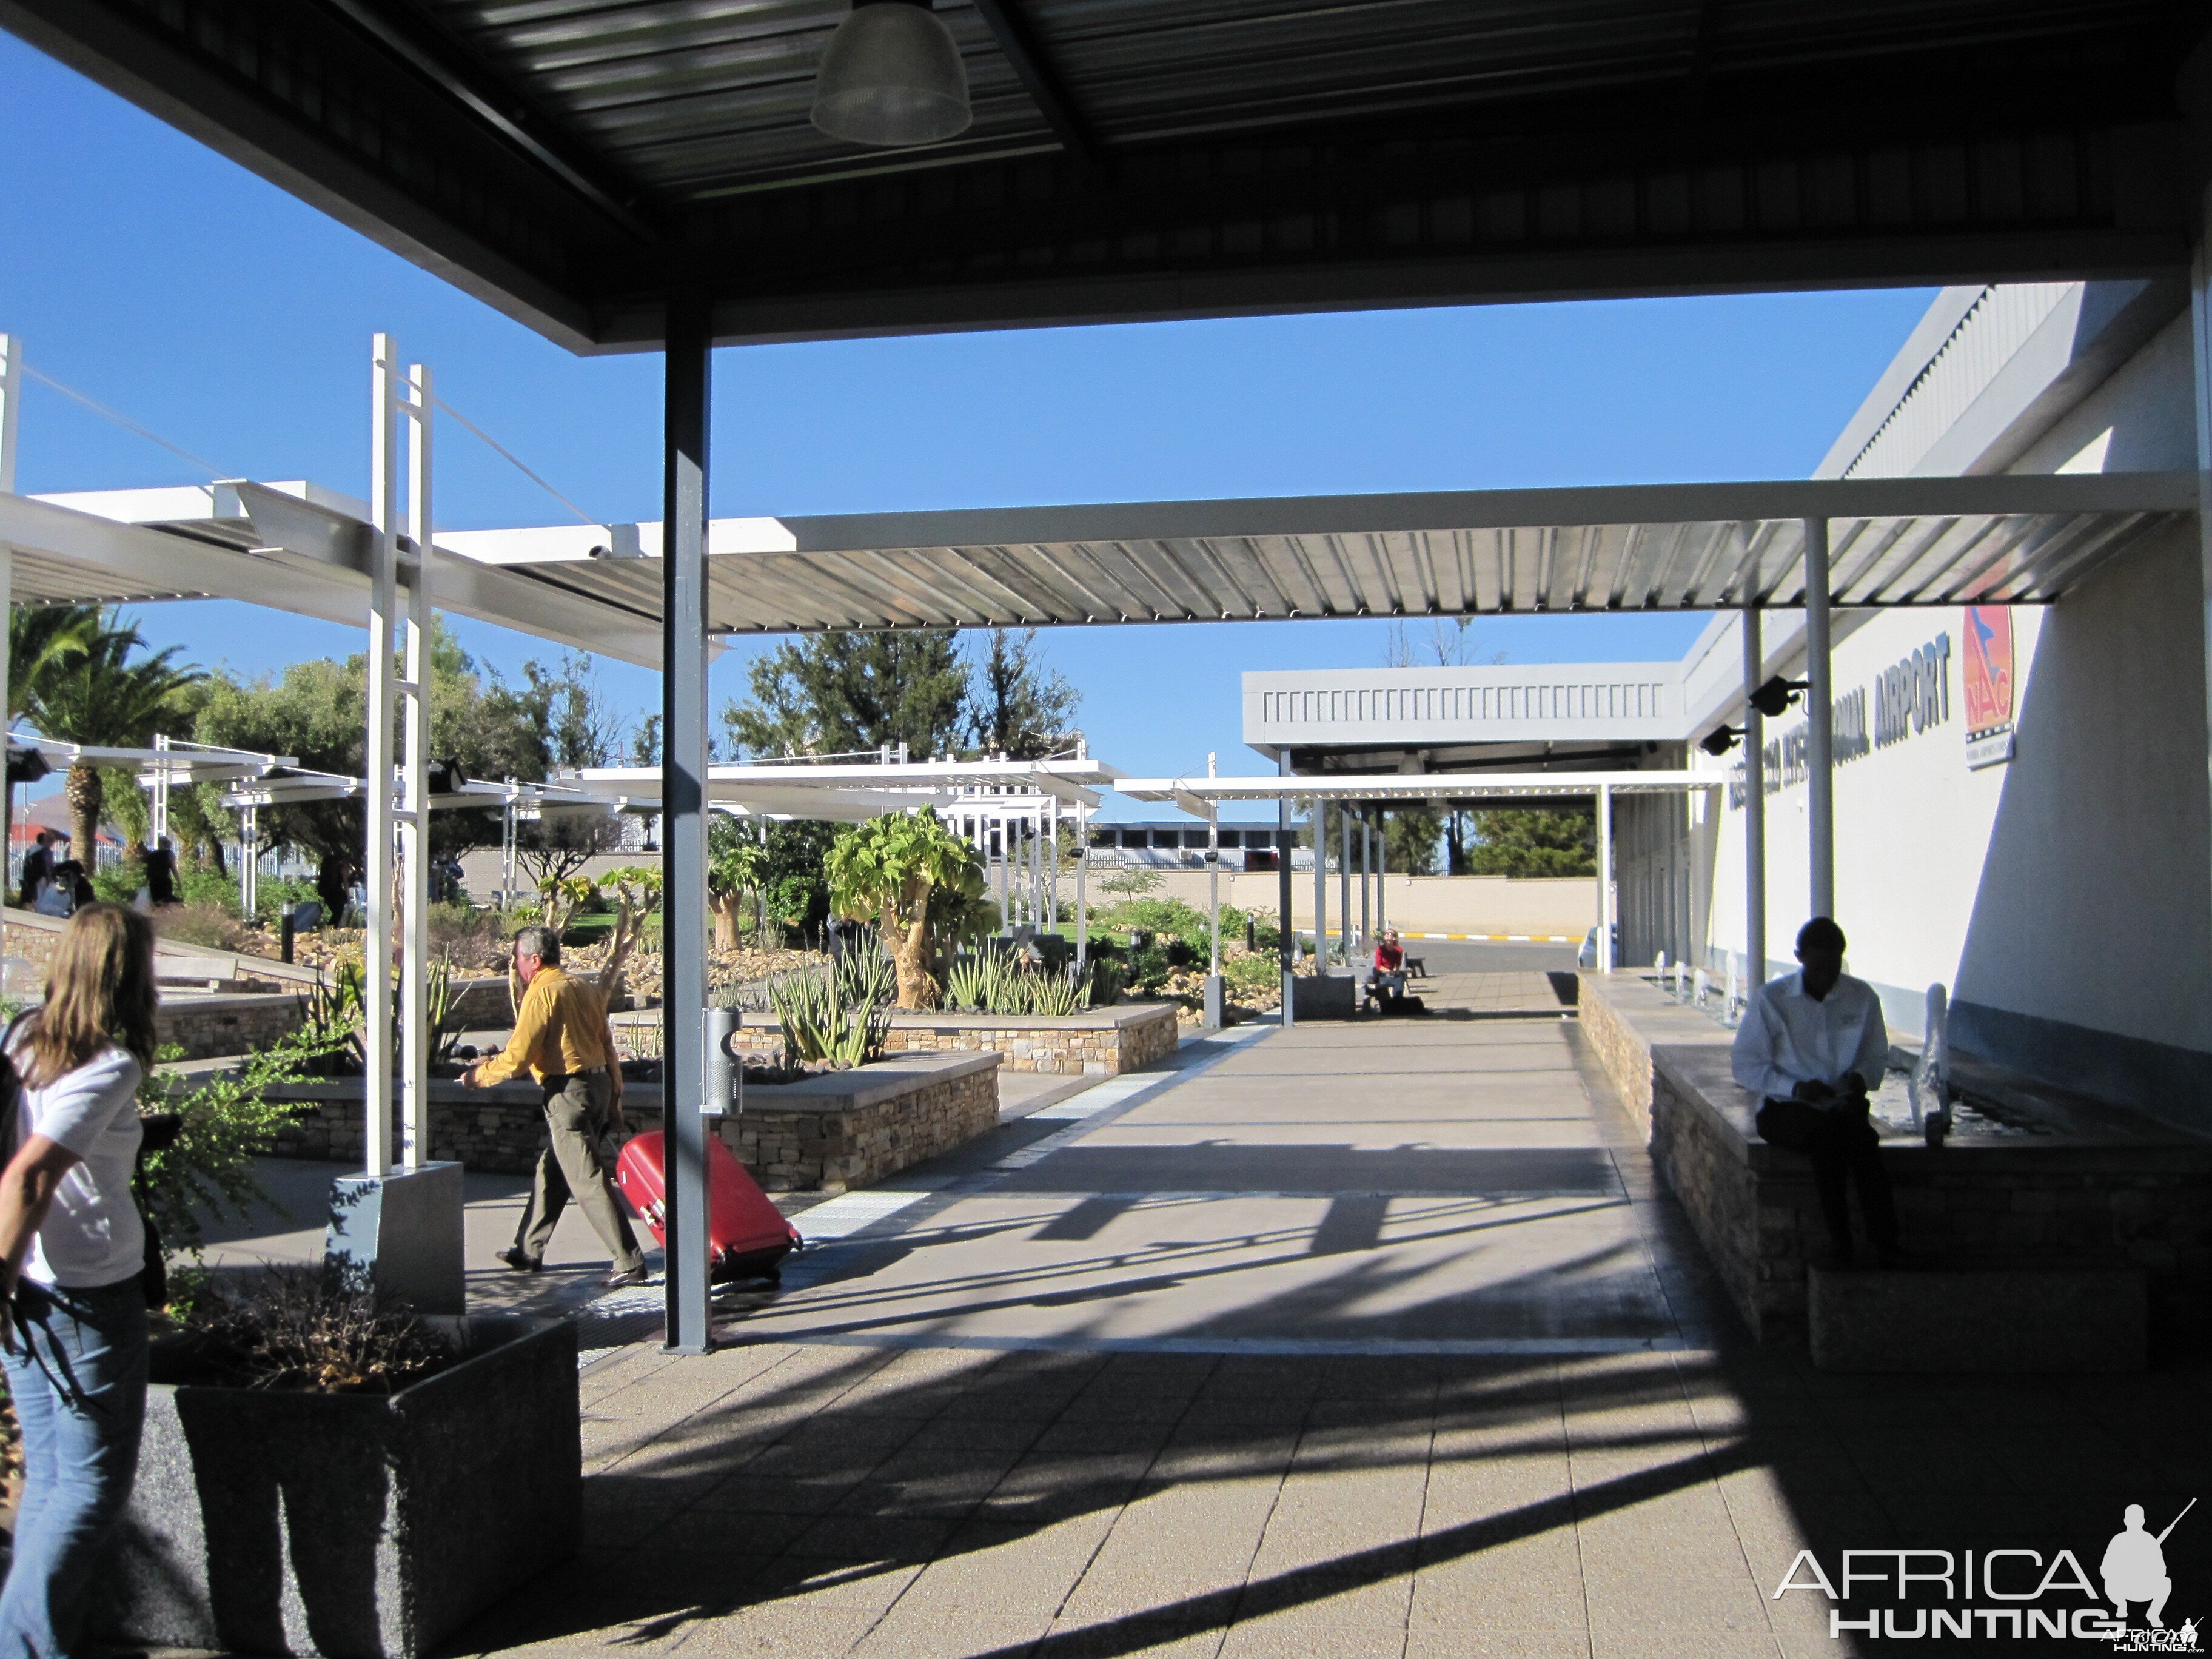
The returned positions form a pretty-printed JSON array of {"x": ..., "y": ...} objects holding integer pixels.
[
  {"x": 2006, "y": 538},
  {"x": 1201, "y": 797},
  {"x": 984, "y": 799},
  {"x": 309, "y": 551}
]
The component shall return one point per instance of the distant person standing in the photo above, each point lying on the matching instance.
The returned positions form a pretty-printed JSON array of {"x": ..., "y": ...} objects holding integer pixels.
[
  {"x": 37, "y": 869},
  {"x": 71, "y": 1250},
  {"x": 1812, "y": 1047},
  {"x": 160, "y": 868},
  {"x": 562, "y": 1038}
]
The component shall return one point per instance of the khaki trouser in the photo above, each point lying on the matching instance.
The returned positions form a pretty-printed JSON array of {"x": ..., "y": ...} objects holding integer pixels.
[{"x": 576, "y": 1113}]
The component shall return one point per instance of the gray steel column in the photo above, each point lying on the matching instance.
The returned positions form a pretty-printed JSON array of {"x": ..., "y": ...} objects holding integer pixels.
[
  {"x": 1321, "y": 885},
  {"x": 1366, "y": 883},
  {"x": 1819, "y": 731},
  {"x": 1344, "y": 879},
  {"x": 1605, "y": 961},
  {"x": 1754, "y": 804},
  {"x": 1283, "y": 888},
  {"x": 1382, "y": 870},
  {"x": 690, "y": 362},
  {"x": 2200, "y": 285}
]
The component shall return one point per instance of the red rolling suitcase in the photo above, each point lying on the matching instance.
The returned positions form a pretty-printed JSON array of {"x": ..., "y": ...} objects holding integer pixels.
[{"x": 745, "y": 1234}]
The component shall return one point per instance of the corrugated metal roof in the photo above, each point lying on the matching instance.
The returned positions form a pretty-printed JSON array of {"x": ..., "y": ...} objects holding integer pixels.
[
  {"x": 695, "y": 98},
  {"x": 1934, "y": 541}
]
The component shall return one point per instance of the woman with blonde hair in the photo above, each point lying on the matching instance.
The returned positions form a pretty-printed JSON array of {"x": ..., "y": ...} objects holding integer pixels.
[{"x": 72, "y": 1248}]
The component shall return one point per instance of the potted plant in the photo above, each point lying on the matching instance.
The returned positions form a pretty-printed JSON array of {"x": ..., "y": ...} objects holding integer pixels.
[{"x": 323, "y": 1473}]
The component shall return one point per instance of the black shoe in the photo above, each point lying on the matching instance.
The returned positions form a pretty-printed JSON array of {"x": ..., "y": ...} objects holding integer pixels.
[
  {"x": 624, "y": 1276},
  {"x": 522, "y": 1264}
]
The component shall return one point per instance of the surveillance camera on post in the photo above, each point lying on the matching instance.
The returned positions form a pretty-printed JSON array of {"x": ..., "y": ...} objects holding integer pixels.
[
  {"x": 1774, "y": 698},
  {"x": 1720, "y": 740}
]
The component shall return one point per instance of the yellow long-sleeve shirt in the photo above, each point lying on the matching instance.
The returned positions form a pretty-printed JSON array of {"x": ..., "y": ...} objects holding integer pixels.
[{"x": 560, "y": 1029}]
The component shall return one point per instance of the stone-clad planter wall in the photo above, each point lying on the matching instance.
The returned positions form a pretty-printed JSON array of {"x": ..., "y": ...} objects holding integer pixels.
[
  {"x": 2095, "y": 1187},
  {"x": 1104, "y": 1043},
  {"x": 208, "y": 1027},
  {"x": 855, "y": 1128},
  {"x": 847, "y": 1129}
]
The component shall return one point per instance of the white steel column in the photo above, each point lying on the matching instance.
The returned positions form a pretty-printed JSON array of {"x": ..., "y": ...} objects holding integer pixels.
[
  {"x": 1082, "y": 897},
  {"x": 1820, "y": 734},
  {"x": 1213, "y": 894},
  {"x": 11, "y": 410},
  {"x": 1604, "y": 878},
  {"x": 415, "y": 1033},
  {"x": 249, "y": 861},
  {"x": 1755, "y": 804},
  {"x": 376, "y": 872}
]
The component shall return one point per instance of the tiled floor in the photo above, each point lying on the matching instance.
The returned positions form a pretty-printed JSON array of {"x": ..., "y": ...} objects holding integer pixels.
[{"x": 1337, "y": 1341}]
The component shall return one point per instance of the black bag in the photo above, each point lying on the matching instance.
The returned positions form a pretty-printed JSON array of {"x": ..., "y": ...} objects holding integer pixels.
[{"x": 159, "y": 1130}]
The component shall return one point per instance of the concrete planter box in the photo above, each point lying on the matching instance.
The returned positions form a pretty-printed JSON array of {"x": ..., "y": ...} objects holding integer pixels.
[
  {"x": 1101, "y": 1042},
  {"x": 353, "y": 1526}
]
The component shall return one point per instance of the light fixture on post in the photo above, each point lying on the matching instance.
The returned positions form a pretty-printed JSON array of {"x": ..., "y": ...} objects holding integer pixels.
[
  {"x": 1774, "y": 698},
  {"x": 890, "y": 76}
]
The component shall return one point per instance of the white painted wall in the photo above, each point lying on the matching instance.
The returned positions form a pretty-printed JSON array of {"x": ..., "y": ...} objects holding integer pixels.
[{"x": 2073, "y": 884}]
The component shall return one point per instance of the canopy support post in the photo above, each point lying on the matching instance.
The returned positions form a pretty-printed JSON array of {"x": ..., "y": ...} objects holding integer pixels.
[
  {"x": 376, "y": 870},
  {"x": 1321, "y": 884},
  {"x": 1284, "y": 939},
  {"x": 1754, "y": 806},
  {"x": 1082, "y": 896},
  {"x": 414, "y": 1033},
  {"x": 1368, "y": 879},
  {"x": 2200, "y": 310},
  {"x": 1819, "y": 731},
  {"x": 11, "y": 410},
  {"x": 1604, "y": 878},
  {"x": 1343, "y": 881},
  {"x": 689, "y": 366}
]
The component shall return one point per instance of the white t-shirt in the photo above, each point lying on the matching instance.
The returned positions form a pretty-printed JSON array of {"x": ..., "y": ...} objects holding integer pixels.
[{"x": 93, "y": 1236}]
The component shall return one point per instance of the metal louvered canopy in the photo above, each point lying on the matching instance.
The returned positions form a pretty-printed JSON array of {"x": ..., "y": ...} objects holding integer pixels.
[{"x": 2006, "y": 539}]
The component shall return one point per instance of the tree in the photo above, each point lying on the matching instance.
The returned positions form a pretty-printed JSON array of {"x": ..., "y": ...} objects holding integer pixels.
[
  {"x": 1447, "y": 642},
  {"x": 1410, "y": 834},
  {"x": 1521, "y": 841},
  {"x": 736, "y": 864},
  {"x": 1017, "y": 706},
  {"x": 884, "y": 870},
  {"x": 318, "y": 713},
  {"x": 99, "y": 696},
  {"x": 833, "y": 693},
  {"x": 42, "y": 641}
]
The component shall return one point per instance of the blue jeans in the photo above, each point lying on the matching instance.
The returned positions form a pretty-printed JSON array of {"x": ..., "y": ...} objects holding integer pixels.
[{"x": 78, "y": 1376}]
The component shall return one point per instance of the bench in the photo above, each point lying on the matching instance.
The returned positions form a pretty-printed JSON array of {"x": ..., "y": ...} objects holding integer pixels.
[{"x": 2085, "y": 1217}]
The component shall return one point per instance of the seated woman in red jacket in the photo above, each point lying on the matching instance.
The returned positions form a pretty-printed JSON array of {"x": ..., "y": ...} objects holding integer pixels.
[{"x": 1389, "y": 977}]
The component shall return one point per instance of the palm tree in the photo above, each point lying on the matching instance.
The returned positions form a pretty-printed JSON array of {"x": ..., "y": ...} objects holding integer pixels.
[
  {"x": 100, "y": 698},
  {"x": 42, "y": 640}
]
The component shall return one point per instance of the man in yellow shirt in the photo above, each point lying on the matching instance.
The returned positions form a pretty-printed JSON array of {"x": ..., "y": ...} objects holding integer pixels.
[{"x": 563, "y": 1039}]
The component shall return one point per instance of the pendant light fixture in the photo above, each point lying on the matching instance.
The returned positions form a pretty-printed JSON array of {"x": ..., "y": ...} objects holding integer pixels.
[{"x": 890, "y": 76}]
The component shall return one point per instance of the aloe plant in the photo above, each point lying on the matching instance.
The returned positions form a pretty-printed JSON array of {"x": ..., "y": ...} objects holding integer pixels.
[
  {"x": 838, "y": 1015},
  {"x": 997, "y": 984}
]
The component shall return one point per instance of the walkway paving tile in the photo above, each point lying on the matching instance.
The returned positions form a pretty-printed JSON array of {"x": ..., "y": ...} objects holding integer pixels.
[{"x": 1378, "y": 1338}]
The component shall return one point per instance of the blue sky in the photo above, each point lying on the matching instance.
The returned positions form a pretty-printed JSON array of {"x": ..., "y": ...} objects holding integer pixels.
[{"x": 181, "y": 290}]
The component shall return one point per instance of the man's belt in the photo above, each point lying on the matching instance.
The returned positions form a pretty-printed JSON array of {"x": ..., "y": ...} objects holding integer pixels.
[{"x": 559, "y": 1079}]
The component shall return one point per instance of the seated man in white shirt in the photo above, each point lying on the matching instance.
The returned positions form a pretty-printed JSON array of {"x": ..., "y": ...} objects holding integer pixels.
[{"x": 1812, "y": 1046}]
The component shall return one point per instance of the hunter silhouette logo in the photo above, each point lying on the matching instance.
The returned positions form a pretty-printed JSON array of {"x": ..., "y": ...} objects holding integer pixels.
[
  {"x": 1920, "y": 1595},
  {"x": 2135, "y": 1571}
]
